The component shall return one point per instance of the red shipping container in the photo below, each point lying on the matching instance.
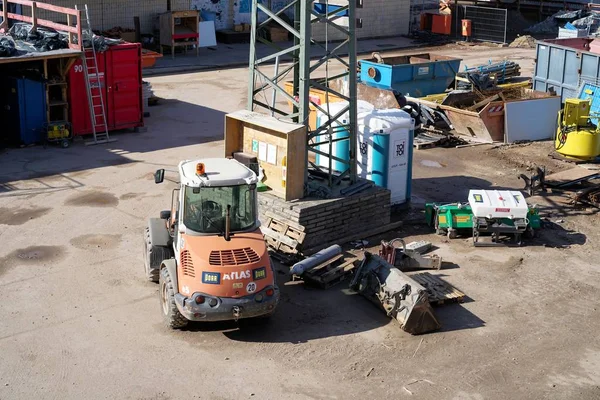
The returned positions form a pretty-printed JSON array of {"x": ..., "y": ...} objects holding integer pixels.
[{"x": 120, "y": 71}]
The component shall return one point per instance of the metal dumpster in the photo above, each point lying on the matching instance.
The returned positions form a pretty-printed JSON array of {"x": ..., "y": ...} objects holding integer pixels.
[
  {"x": 414, "y": 75},
  {"x": 505, "y": 120},
  {"x": 562, "y": 64}
]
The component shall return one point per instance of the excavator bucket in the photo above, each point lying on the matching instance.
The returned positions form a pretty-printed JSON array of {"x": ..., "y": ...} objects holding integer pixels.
[{"x": 397, "y": 294}]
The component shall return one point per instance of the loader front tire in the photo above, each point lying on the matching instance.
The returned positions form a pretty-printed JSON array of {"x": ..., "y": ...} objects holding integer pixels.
[
  {"x": 153, "y": 257},
  {"x": 171, "y": 315}
]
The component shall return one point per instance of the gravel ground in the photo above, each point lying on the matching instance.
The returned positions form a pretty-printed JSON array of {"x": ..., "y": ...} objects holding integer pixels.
[{"x": 80, "y": 321}]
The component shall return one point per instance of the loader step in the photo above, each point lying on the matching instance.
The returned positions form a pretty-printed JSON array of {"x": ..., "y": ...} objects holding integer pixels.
[{"x": 439, "y": 291}]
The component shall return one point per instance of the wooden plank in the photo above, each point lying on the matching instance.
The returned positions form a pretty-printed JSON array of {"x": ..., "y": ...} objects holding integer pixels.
[
  {"x": 278, "y": 226},
  {"x": 335, "y": 272},
  {"x": 439, "y": 291},
  {"x": 440, "y": 286},
  {"x": 483, "y": 103},
  {"x": 279, "y": 237},
  {"x": 295, "y": 234},
  {"x": 287, "y": 249},
  {"x": 4, "y": 23},
  {"x": 313, "y": 271},
  {"x": 570, "y": 175},
  {"x": 279, "y": 217}
]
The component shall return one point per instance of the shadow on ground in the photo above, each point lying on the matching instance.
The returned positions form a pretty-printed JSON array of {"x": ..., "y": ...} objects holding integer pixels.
[
  {"x": 448, "y": 189},
  {"x": 306, "y": 314},
  {"x": 172, "y": 124}
]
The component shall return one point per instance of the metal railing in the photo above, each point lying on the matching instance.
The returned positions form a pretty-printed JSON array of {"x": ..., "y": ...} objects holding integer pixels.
[
  {"x": 72, "y": 27},
  {"x": 487, "y": 24}
]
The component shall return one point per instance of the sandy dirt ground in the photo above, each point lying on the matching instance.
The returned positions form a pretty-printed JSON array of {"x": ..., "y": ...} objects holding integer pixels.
[{"x": 78, "y": 319}]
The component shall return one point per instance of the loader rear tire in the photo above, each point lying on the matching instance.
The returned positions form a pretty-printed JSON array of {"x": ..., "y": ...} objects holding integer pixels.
[
  {"x": 153, "y": 257},
  {"x": 171, "y": 315}
]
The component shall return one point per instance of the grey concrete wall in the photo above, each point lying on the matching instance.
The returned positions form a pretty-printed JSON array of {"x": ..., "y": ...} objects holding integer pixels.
[{"x": 380, "y": 18}]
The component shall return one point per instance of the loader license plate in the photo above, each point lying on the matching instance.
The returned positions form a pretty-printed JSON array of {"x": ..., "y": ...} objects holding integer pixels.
[{"x": 213, "y": 278}]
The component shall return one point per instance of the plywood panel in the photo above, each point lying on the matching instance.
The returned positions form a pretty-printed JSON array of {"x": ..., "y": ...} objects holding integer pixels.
[
  {"x": 245, "y": 130},
  {"x": 531, "y": 119}
]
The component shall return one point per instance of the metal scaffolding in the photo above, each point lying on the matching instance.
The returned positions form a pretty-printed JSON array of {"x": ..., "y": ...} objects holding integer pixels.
[{"x": 264, "y": 87}]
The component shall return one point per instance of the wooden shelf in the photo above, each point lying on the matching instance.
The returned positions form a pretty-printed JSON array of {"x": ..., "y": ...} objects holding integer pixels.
[
  {"x": 57, "y": 103},
  {"x": 179, "y": 29}
]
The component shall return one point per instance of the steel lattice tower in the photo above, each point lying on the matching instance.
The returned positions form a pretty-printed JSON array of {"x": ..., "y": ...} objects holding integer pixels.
[{"x": 337, "y": 16}]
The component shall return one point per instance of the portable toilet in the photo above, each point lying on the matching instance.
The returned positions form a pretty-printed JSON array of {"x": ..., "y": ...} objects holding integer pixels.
[
  {"x": 341, "y": 146},
  {"x": 385, "y": 151}
]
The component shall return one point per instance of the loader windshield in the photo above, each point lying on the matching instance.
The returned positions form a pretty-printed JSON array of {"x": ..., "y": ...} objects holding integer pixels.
[{"x": 205, "y": 208}]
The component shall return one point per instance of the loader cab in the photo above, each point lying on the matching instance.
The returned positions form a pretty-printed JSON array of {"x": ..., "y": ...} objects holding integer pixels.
[
  {"x": 211, "y": 259},
  {"x": 221, "y": 201}
]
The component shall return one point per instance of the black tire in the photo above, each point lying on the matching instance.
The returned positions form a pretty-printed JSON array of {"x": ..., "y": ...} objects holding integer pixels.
[
  {"x": 153, "y": 257},
  {"x": 171, "y": 315}
]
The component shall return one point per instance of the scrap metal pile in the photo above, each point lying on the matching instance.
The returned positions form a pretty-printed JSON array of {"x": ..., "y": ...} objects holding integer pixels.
[
  {"x": 578, "y": 19},
  {"x": 487, "y": 76}
]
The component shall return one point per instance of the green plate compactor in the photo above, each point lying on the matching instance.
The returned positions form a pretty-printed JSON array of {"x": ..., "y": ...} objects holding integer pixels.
[{"x": 499, "y": 212}]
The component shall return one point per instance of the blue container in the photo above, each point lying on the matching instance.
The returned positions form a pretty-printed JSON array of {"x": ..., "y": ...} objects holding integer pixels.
[
  {"x": 592, "y": 93},
  {"x": 416, "y": 75},
  {"x": 562, "y": 63},
  {"x": 324, "y": 9},
  {"x": 23, "y": 103}
]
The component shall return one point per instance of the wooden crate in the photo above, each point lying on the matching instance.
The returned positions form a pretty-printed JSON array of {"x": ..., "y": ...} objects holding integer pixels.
[
  {"x": 245, "y": 129},
  {"x": 439, "y": 291},
  {"x": 179, "y": 29}
]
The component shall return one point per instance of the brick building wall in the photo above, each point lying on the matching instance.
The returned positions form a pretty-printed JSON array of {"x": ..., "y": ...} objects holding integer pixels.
[
  {"x": 106, "y": 14},
  {"x": 380, "y": 17}
]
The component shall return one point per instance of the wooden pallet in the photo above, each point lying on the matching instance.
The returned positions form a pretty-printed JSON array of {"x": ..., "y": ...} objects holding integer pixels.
[
  {"x": 283, "y": 238},
  {"x": 439, "y": 292},
  {"x": 329, "y": 273}
]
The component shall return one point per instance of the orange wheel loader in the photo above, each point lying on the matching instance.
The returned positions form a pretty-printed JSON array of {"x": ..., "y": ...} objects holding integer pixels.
[{"x": 207, "y": 253}]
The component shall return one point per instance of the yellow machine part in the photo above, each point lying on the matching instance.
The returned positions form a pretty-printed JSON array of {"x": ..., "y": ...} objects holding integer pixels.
[
  {"x": 576, "y": 136},
  {"x": 58, "y": 132}
]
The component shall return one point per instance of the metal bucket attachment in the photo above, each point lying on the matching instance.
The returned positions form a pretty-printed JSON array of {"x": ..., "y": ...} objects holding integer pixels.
[{"x": 400, "y": 296}]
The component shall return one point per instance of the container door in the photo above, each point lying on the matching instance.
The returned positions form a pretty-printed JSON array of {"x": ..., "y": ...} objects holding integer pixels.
[
  {"x": 33, "y": 111},
  {"x": 81, "y": 121},
  {"x": 398, "y": 165},
  {"x": 124, "y": 78}
]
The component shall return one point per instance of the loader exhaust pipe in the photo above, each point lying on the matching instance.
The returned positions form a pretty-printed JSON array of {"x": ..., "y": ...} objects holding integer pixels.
[
  {"x": 228, "y": 223},
  {"x": 400, "y": 297}
]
